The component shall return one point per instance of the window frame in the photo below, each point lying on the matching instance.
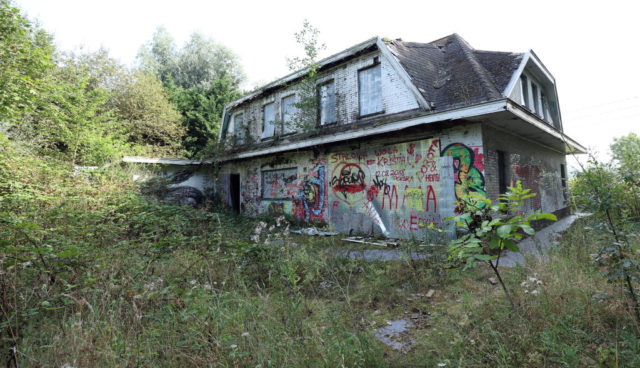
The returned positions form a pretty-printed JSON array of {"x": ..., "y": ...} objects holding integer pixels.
[
  {"x": 282, "y": 115},
  {"x": 236, "y": 130},
  {"x": 319, "y": 98},
  {"x": 264, "y": 121},
  {"x": 376, "y": 64}
]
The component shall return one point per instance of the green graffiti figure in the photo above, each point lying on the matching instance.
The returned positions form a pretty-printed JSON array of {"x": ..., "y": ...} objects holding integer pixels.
[{"x": 467, "y": 177}]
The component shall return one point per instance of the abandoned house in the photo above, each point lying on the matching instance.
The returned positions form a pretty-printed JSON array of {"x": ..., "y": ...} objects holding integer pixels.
[{"x": 394, "y": 133}]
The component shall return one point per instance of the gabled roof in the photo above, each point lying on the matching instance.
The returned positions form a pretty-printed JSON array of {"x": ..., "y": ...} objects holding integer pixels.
[{"x": 450, "y": 73}]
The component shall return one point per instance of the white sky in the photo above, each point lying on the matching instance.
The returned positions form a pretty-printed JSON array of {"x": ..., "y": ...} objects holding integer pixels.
[{"x": 591, "y": 48}]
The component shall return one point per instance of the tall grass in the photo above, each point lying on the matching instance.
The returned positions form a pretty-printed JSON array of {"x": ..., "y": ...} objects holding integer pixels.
[{"x": 95, "y": 274}]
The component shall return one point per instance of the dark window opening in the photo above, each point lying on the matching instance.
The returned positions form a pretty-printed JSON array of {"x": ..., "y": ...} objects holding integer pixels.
[
  {"x": 502, "y": 172},
  {"x": 563, "y": 179},
  {"x": 234, "y": 191}
]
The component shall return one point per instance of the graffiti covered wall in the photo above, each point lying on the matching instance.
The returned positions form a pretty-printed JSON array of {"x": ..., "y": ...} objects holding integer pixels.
[
  {"x": 391, "y": 189},
  {"x": 536, "y": 167},
  {"x": 380, "y": 187}
]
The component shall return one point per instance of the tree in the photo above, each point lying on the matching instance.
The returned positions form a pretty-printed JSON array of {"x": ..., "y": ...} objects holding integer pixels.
[
  {"x": 25, "y": 57},
  {"x": 201, "y": 78},
  {"x": 151, "y": 121},
  {"x": 489, "y": 229},
  {"x": 305, "y": 116}
]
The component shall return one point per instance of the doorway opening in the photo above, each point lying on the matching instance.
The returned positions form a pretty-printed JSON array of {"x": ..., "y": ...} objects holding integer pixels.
[{"x": 234, "y": 191}]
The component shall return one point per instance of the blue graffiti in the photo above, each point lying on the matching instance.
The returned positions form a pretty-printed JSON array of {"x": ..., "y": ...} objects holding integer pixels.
[{"x": 311, "y": 194}]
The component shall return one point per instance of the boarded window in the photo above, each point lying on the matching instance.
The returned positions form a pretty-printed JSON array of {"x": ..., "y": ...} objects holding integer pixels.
[
  {"x": 268, "y": 120},
  {"x": 327, "y": 97},
  {"x": 238, "y": 128},
  {"x": 279, "y": 184},
  {"x": 288, "y": 110},
  {"x": 370, "y": 90}
]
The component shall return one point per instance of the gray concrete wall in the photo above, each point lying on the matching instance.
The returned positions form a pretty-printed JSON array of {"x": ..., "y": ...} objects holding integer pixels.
[{"x": 537, "y": 167}]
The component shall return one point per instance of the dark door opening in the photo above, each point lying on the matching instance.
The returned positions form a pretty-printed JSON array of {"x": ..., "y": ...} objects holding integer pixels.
[{"x": 234, "y": 191}]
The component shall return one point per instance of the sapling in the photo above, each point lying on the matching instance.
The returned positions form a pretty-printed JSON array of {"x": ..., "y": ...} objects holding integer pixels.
[{"x": 491, "y": 228}]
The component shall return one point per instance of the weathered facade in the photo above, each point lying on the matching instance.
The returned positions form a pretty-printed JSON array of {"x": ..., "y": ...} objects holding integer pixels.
[{"x": 402, "y": 130}]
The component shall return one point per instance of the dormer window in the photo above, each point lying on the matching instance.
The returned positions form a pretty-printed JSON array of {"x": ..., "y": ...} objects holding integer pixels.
[
  {"x": 268, "y": 120},
  {"x": 370, "y": 90},
  {"x": 525, "y": 91}
]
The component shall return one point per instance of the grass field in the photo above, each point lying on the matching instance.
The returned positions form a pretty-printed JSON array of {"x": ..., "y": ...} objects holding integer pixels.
[{"x": 95, "y": 274}]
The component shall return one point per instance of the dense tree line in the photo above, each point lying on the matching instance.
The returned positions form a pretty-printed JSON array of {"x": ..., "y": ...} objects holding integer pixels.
[{"x": 89, "y": 109}]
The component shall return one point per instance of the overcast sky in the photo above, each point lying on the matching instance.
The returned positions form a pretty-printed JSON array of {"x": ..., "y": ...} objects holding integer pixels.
[{"x": 591, "y": 48}]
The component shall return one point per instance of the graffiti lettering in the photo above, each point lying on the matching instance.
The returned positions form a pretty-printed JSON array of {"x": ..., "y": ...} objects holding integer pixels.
[
  {"x": 391, "y": 194},
  {"x": 349, "y": 180}
]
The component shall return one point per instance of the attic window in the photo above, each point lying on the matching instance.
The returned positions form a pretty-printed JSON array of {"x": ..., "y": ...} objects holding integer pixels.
[
  {"x": 327, "y": 103},
  {"x": 268, "y": 120},
  {"x": 370, "y": 90},
  {"x": 525, "y": 91}
]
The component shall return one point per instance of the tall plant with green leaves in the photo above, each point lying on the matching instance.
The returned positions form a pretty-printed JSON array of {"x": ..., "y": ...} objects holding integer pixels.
[
  {"x": 306, "y": 115},
  {"x": 491, "y": 228},
  {"x": 611, "y": 192}
]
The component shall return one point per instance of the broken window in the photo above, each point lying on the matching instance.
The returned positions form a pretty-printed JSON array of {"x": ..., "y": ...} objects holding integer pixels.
[
  {"x": 288, "y": 110},
  {"x": 238, "y": 128},
  {"x": 370, "y": 90},
  {"x": 268, "y": 120},
  {"x": 327, "y": 103}
]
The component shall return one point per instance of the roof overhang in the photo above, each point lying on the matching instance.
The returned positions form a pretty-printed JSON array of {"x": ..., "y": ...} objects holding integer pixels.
[{"x": 161, "y": 161}]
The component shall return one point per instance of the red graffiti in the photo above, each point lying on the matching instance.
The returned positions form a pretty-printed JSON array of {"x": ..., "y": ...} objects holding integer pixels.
[
  {"x": 351, "y": 179},
  {"x": 431, "y": 197},
  {"x": 479, "y": 161},
  {"x": 411, "y": 148}
]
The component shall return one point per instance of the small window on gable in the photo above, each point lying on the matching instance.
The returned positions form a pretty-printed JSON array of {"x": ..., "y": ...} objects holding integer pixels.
[
  {"x": 288, "y": 110},
  {"x": 545, "y": 108},
  {"x": 536, "y": 99},
  {"x": 525, "y": 91},
  {"x": 370, "y": 90},
  {"x": 238, "y": 128},
  {"x": 327, "y": 103},
  {"x": 268, "y": 120}
]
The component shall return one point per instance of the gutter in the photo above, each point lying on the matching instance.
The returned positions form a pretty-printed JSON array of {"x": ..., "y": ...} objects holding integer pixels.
[{"x": 525, "y": 115}]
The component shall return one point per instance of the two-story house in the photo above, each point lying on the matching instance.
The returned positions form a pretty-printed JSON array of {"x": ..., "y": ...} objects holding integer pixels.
[{"x": 398, "y": 131}]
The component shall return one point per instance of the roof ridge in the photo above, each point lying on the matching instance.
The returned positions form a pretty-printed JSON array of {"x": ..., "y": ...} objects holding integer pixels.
[{"x": 477, "y": 67}]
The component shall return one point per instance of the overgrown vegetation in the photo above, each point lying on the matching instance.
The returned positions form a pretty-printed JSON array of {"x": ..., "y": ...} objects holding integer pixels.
[
  {"x": 96, "y": 272},
  {"x": 612, "y": 192},
  {"x": 489, "y": 229}
]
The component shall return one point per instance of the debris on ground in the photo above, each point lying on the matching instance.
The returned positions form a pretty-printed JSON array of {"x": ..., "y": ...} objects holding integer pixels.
[
  {"x": 391, "y": 243},
  {"x": 493, "y": 281},
  {"x": 313, "y": 231}
]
